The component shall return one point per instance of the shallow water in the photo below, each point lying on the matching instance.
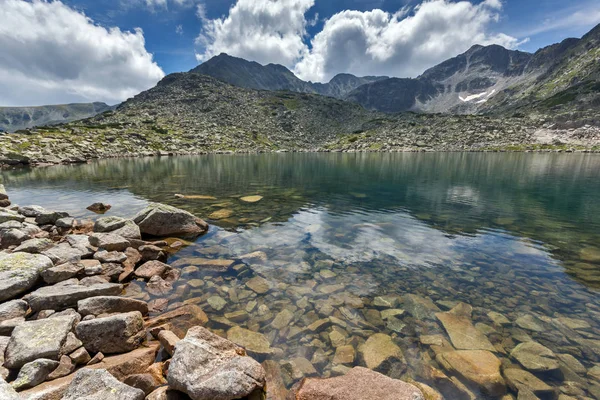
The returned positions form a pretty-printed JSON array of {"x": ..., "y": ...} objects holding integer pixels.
[{"x": 517, "y": 234}]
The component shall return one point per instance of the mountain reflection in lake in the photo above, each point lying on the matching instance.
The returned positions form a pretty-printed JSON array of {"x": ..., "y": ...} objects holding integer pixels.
[{"x": 351, "y": 245}]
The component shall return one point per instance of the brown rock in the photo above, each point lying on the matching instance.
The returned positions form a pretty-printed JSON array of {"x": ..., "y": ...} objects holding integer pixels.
[
  {"x": 168, "y": 340},
  {"x": 358, "y": 384},
  {"x": 379, "y": 351},
  {"x": 275, "y": 386},
  {"x": 151, "y": 268},
  {"x": 180, "y": 319},
  {"x": 477, "y": 366},
  {"x": 463, "y": 334}
]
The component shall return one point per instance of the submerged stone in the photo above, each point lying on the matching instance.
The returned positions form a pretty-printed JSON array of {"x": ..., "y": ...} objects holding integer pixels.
[{"x": 463, "y": 334}]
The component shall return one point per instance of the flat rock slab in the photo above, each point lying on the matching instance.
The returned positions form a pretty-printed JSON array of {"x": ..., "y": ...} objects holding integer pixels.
[
  {"x": 463, "y": 334},
  {"x": 110, "y": 304},
  {"x": 163, "y": 220},
  {"x": 535, "y": 357},
  {"x": 208, "y": 367},
  {"x": 19, "y": 272},
  {"x": 205, "y": 264},
  {"x": 100, "y": 385},
  {"x": 254, "y": 342},
  {"x": 358, "y": 384},
  {"x": 180, "y": 319},
  {"x": 33, "y": 373},
  {"x": 479, "y": 367},
  {"x": 115, "y": 334},
  {"x": 60, "y": 297},
  {"x": 379, "y": 351},
  {"x": 37, "y": 339},
  {"x": 519, "y": 379},
  {"x": 119, "y": 366}
]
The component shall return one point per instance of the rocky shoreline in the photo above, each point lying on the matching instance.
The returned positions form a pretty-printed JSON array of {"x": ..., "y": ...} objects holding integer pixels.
[
  {"x": 107, "y": 136},
  {"x": 92, "y": 309}
]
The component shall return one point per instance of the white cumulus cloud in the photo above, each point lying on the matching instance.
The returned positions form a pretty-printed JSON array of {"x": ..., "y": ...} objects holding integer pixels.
[
  {"x": 376, "y": 42},
  {"x": 267, "y": 31},
  {"x": 54, "y": 54}
]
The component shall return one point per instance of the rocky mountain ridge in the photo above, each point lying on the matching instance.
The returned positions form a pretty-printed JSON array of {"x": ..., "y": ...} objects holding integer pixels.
[
  {"x": 252, "y": 75},
  {"x": 15, "y": 118}
]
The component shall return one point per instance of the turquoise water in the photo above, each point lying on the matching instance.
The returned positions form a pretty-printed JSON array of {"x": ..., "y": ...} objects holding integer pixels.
[{"x": 517, "y": 234}]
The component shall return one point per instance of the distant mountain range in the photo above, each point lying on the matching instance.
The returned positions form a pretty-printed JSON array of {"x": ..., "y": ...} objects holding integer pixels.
[
  {"x": 485, "y": 79},
  {"x": 252, "y": 75},
  {"x": 16, "y": 118}
]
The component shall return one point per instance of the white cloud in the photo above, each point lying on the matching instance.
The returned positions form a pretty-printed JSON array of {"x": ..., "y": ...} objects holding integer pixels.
[
  {"x": 54, "y": 54},
  {"x": 401, "y": 44},
  {"x": 375, "y": 42},
  {"x": 267, "y": 31},
  {"x": 567, "y": 19},
  {"x": 179, "y": 29}
]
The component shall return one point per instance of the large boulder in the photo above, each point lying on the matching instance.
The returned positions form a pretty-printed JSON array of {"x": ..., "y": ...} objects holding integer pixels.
[
  {"x": 110, "y": 304},
  {"x": 115, "y": 334},
  {"x": 19, "y": 272},
  {"x": 358, "y": 384},
  {"x": 208, "y": 367},
  {"x": 63, "y": 296},
  {"x": 163, "y": 220},
  {"x": 35, "y": 246},
  {"x": 42, "y": 338},
  {"x": 100, "y": 385}
]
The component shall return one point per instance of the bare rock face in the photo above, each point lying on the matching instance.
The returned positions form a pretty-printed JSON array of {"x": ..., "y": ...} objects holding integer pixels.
[
  {"x": 100, "y": 385},
  {"x": 115, "y": 334},
  {"x": 358, "y": 384},
  {"x": 43, "y": 338},
  {"x": 110, "y": 304},
  {"x": 19, "y": 272},
  {"x": 208, "y": 367},
  {"x": 162, "y": 220}
]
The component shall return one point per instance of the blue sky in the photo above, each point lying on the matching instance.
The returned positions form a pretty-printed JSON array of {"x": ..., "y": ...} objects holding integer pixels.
[
  {"x": 175, "y": 51},
  {"x": 109, "y": 50}
]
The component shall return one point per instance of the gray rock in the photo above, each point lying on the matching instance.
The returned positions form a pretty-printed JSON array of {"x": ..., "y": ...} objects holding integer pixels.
[
  {"x": 80, "y": 356},
  {"x": 37, "y": 339},
  {"x": 119, "y": 226},
  {"x": 19, "y": 272},
  {"x": 6, "y": 327},
  {"x": 7, "y": 392},
  {"x": 63, "y": 253},
  {"x": 208, "y": 367},
  {"x": 34, "y": 246},
  {"x": 535, "y": 357},
  {"x": 71, "y": 344},
  {"x": 65, "y": 223},
  {"x": 99, "y": 384},
  {"x": 49, "y": 217},
  {"x": 81, "y": 243},
  {"x": 110, "y": 304},
  {"x": 110, "y": 256},
  {"x": 13, "y": 309},
  {"x": 61, "y": 272},
  {"x": 109, "y": 241},
  {"x": 115, "y": 334},
  {"x": 7, "y": 215},
  {"x": 12, "y": 237},
  {"x": 33, "y": 373},
  {"x": 32, "y": 211},
  {"x": 163, "y": 220},
  {"x": 152, "y": 268},
  {"x": 59, "y": 297}
]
